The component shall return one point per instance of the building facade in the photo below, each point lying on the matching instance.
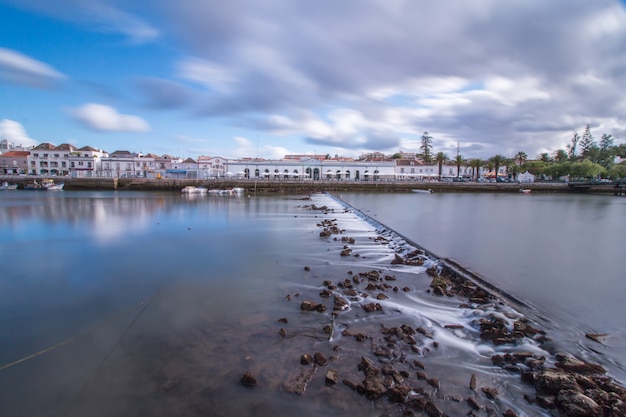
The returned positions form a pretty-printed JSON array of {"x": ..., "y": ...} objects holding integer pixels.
[
  {"x": 311, "y": 169},
  {"x": 14, "y": 162},
  {"x": 47, "y": 159},
  {"x": 86, "y": 162}
]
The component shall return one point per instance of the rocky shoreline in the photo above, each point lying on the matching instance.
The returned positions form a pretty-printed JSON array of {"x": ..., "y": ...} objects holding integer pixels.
[{"x": 385, "y": 359}]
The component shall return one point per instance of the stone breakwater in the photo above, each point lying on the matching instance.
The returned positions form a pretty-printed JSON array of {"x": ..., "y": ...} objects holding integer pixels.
[{"x": 374, "y": 353}]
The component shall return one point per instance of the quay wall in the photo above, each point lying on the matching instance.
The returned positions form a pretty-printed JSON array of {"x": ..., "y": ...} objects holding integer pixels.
[{"x": 303, "y": 186}]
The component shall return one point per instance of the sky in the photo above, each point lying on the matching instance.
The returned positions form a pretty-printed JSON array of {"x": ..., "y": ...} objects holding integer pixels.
[{"x": 266, "y": 78}]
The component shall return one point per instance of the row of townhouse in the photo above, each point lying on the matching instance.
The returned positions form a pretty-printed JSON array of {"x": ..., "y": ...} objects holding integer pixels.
[{"x": 67, "y": 160}]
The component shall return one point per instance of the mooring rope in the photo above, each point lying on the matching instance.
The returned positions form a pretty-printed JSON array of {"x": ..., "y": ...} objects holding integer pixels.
[{"x": 83, "y": 334}]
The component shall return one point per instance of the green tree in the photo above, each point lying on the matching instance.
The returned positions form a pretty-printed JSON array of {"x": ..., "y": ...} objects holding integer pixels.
[
  {"x": 512, "y": 167},
  {"x": 544, "y": 157},
  {"x": 559, "y": 169},
  {"x": 586, "y": 143},
  {"x": 427, "y": 148},
  {"x": 497, "y": 161},
  {"x": 587, "y": 169},
  {"x": 475, "y": 164},
  {"x": 536, "y": 167},
  {"x": 488, "y": 164},
  {"x": 521, "y": 157},
  {"x": 441, "y": 158},
  {"x": 560, "y": 155},
  {"x": 458, "y": 161},
  {"x": 571, "y": 147},
  {"x": 606, "y": 151},
  {"x": 618, "y": 171}
]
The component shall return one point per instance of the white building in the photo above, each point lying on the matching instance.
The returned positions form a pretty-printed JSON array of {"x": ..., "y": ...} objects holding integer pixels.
[
  {"x": 121, "y": 164},
  {"x": 86, "y": 162},
  {"x": 47, "y": 159},
  {"x": 212, "y": 167},
  {"x": 311, "y": 168}
]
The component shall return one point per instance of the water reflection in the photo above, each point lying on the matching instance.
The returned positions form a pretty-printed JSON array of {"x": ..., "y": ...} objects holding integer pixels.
[
  {"x": 204, "y": 282},
  {"x": 559, "y": 252}
]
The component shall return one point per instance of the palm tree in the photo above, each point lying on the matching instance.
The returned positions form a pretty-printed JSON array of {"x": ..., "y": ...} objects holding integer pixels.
[
  {"x": 521, "y": 157},
  {"x": 497, "y": 161},
  {"x": 512, "y": 167},
  {"x": 458, "y": 160},
  {"x": 441, "y": 158},
  {"x": 544, "y": 157},
  {"x": 560, "y": 155},
  {"x": 476, "y": 164}
]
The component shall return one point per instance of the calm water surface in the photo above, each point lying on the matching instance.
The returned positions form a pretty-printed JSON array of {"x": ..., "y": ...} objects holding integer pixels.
[
  {"x": 564, "y": 254},
  {"x": 155, "y": 304}
]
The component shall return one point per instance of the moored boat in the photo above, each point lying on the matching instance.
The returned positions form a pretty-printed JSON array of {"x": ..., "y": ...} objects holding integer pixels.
[
  {"x": 419, "y": 191},
  {"x": 46, "y": 184},
  {"x": 6, "y": 186},
  {"x": 525, "y": 190},
  {"x": 230, "y": 191},
  {"x": 192, "y": 189}
]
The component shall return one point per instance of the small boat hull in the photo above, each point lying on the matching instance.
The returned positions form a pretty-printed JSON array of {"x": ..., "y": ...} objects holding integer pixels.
[
  {"x": 428, "y": 191},
  {"x": 44, "y": 185},
  {"x": 6, "y": 186},
  {"x": 192, "y": 189}
]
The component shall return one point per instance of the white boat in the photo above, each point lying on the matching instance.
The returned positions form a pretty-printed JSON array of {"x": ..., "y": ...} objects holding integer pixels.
[
  {"x": 46, "y": 184},
  {"x": 525, "y": 190},
  {"x": 6, "y": 186},
  {"x": 428, "y": 191},
  {"x": 192, "y": 189},
  {"x": 230, "y": 191}
]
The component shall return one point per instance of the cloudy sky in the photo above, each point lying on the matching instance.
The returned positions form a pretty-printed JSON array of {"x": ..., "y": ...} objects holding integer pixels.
[{"x": 267, "y": 78}]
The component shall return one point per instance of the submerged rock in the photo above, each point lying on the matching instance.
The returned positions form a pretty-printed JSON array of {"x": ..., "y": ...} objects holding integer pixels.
[{"x": 249, "y": 380}]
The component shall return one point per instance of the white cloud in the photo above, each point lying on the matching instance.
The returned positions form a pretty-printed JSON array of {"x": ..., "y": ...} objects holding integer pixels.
[
  {"x": 110, "y": 19},
  {"x": 205, "y": 73},
  {"x": 18, "y": 68},
  {"x": 15, "y": 133},
  {"x": 107, "y": 119},
  {"x": 96, "y": 15},
  {"x": 246, "y": 148}
]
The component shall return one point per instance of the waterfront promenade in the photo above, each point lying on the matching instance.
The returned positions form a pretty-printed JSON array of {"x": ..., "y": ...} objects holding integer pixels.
[{"x": 300, "y": 186}]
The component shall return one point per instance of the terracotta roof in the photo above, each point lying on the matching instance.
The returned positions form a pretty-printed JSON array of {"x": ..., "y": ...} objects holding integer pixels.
[
  {"x": 16, "y": 153},
  {"x": 46, "y": 146},
  {"x": 65, "y": 147}
]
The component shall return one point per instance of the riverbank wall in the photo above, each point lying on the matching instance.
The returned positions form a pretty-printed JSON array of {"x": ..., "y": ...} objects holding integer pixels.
[{"x": 305, "y": 186}]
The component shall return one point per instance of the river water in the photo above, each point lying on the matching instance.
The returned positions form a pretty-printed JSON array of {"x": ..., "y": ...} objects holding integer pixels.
[
  {"x": 155, "y": 304},
  {"x": 561, "y": 253}
]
